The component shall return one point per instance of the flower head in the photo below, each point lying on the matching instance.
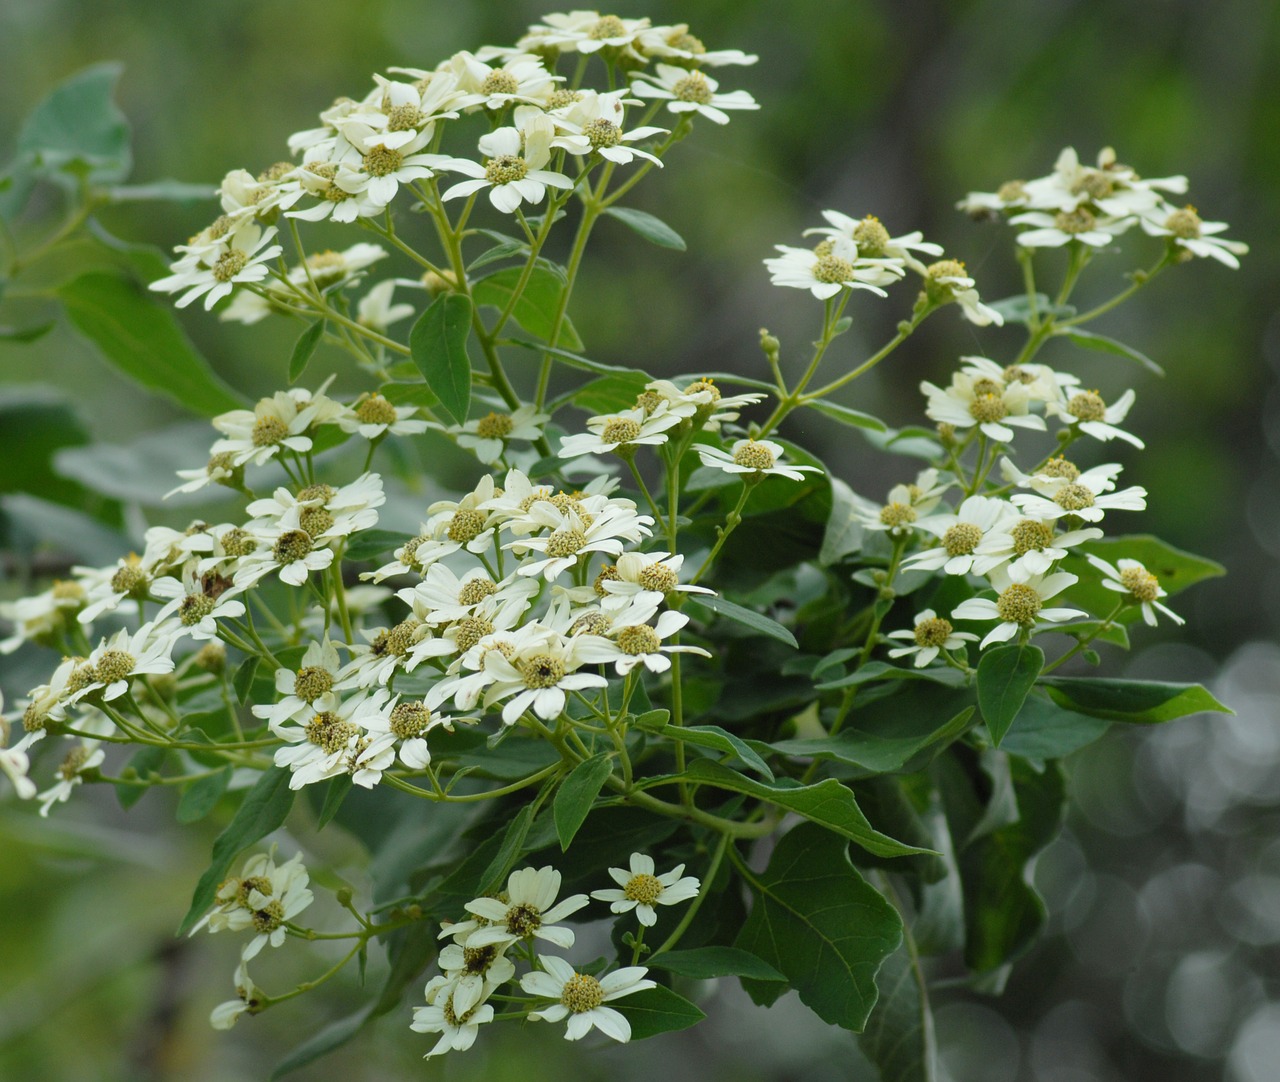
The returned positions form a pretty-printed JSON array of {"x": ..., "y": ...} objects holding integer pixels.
[{"x": 641, "y": 890}]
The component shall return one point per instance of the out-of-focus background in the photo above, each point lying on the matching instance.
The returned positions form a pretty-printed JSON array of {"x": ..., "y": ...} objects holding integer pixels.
[{"x": 1161, "y": 960}]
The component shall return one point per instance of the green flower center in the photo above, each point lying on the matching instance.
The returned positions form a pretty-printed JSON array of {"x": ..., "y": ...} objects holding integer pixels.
[
  {"x": 609, "y": 26},
  {"x": 237, "y": 542},
  {"x": 376, "y": 410},
  {"x": 1073, "y": 497},
  {"x": 524, "y": 919},
  {"x": 315, "y": 520},
  {"x": 404, "y": 117},
  {"x": 1061, "y": 468},
  {"x": 1087, "y": 406},
  {"x": 268, "y": 431},
  {"x": 1184, "y": 223},
  {"x": 466, "y": 525},
  {"x": 1080, "y": 220},
  {"x": 229, "y": 264},
  {"x": 620, "y": 430},
  {"x": 754, "y": 455},
  {"x": 608, "y": 573},
  {"x": 505, "y": 168},
  {"x": 638, "y": 640},
  {"x": 832, "y": 270},
  {"x": 934, "y": 632},
  {"x": 311, "y": 682},
  {"x": 870, "y": 236},
  {"x": 1019, "y": 605},
  {"x": 603, "y": 133},
  {"x": 115, "y": 665},
  {"x": 382, "y": 161},
  {"x": 659, "y": 578},
  {"x": 499, "y": 81},
  {"x": 581, "y": 993},
  {"x": 642, "y": 888},
  {"x": 1031, "y": 535},
  {"x": 1141, "y": 583},
  {"x": 194, "y": 608},
  {"x": 564, "y": 543},
  {"x": 471, "y": 631},
  {"x": 591, "y": 623},
  {"x": 961, "y": 539},
  {"x": 494, "y": 426},
  {"x": 291, "y": 545},
  {"x": 693, "y": 87},
  {"x": 896, "y": 515},
  {"x": 330, "y": 732},
  {"x": 541, "y": 671},
  {"x": 409, "y": 720},
  {"x": 476, "y": 590},
  {"x": 988, "y": 408},
  {"x": 130, "y": 579}
]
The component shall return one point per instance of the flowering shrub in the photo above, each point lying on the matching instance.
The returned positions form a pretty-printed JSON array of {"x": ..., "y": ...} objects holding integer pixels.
[{"x": 653, "y": 632}]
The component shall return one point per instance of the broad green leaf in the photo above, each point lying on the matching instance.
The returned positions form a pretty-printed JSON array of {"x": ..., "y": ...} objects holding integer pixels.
[
  {"x": 654, "y": 230},
  {"x": 656, "y": 1010},
  {"x": 843, "y": 534},
  {"x": 828, "y": 803},
  {"x": 748, "y": 618},
  {"x": 26, "y": 335},
  {"x": 144, "y": 341},
  {"x": 876, "y": 671},
  {"x": 504, "y": 250},
  {"x": 704, "y": 963},
  {"x": 335, "y": 793},
  {"x": 535, "y": 309},
  {"x": 202, "y": 795},
  {"x": 913, "y": 440},
  {"x": 303, "y": 348},
  {"x": 880, "y": 752},
  {"x": 1046, "y": 731},
  {"x": 263, "y": 810},
  {"x": 1005, "y": 675},
  {"x": 847, "y": 416},
  {"x": 331, "y": 1037},
  {"x": 734, "y": 378},
  {"x": 576, "y": 360},
  {"x": 899, "y": 1037},
  {"x": 242, "y": 682},
  {"x": 1144, "y": 702},
  {"x": 1175, "y": 569},
  {"x": 577, "y": 793},
  {"x": 38, "y": 423},
  {"x": 820, "y": 924},
  {"x": 410, "y": 394},
  {"x": 142, "y": 763},
  {"x": 1102, "y": 344},
  {"x": 369, "y": 544},
  {"x": 495, "y": 875},
  {"x": 718, "y": 739},
  {"x": 653, "y": 721},
  {"x": 78, "y": 128},
  {"x": 438, "y": 343},
  {"x": 1017, "y": 309},
  {"x": 608, "y": 394}
]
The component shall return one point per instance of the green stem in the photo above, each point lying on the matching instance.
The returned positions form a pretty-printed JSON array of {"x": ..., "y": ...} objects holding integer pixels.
[
  {"x": 731, "y": 523},
  {"x": 707, "y": 879}
]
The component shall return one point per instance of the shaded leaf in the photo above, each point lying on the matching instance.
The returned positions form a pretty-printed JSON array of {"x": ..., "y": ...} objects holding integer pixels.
[
  {"x": 1005, "y": 675},
  {"x": 1046, "y": 731},
  {"x": 331, "y": 1037},
  {"x": 656, "y": 1010},
  {"x": 899, "y": 1038},
  {"x": 535, "y": 309},
  {"x": 704, "y": 963},
  {"x": 303, "y": 348},
  {"x": 747, "y": 617},
  {"x": 1017, "y": 309},
  {"x": 819, "y": 923},
  {"x": 79, "y": 128},
  {"x": 335, "y": 793},
  {"x": 438, "y": 344},
  {"x": 880, "y": 752},
  {"x": 576, "y": 795},
  {"x": 1102, "y": 344},
  {"x": 718, "y": 739},
  {"x": 847, "y": 416},
  {"x": 370, "y": 543},
  {"x": 202, "y": 795},
  {"x": 1144, "y": 702},
  {"x": 495, "y": 875},
  {"x": 654, "y": 230}
]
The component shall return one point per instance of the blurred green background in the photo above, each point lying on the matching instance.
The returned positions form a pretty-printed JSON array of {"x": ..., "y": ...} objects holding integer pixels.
[{"x": 1161, "y": 962}]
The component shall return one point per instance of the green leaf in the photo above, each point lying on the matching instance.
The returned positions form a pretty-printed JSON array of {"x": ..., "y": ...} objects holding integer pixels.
[
  {"x": 1175, "y": 568},
  {"x": 576, "y": 360},
  {"x": 880, "y": 752},
  {"x": 1005, "y": 675},
  {"x": 535, "y": 309},
  {"x": 820, "y": 924},
  {"x": 144, "y": 341},
  {"x": 263, "y": 810},
  {"x": 704, "y": 963},
  {"x": 1046, "y": 731},
  {"x": 495, "y": 875},
  {"x": 899, "y": 1037},
  {"x": 371, "y": 543},
  {"x": 144, "y": 762},
  {"x": 335, "y": 793},
  {"x": 1102, "y": 344},
  {"x": 78, "y": 128},
  {"x": 1017, "y": 309},
  {"x": 654, "y": 230},
  {"x": 25, "y": 335},
  {"x": 828, "y": 803},
  {"x": 718, "y": 739},
  {"x": 609, "y": 394},
  {"x": 242, "y": 682},
  {"x": 653, "y": 721},
  {"x": 438, "y": 343},
  {"x": 875, "y": 671},
  {"x": 504, "y": 250},
  {"x": 1144, "y": 702},
  {"x": 577, "y": 793},
  {"x": 331, "y": 1037},
  {"x": 656, "y": 1010},
  {"x": 846, "y": 416},
  {"x": 303, "y": 348},
  {"x": 843, "y": 534},
  {"x": 747, "y": 617},
  {"x": 202, "y": 795},
  {"x": 28, "y": 522}
]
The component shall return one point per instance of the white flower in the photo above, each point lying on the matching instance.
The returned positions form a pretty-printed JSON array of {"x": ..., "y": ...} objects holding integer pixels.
[
  {"x": 641, "y": 889},
  {"x": 373, "y": 417},
  {"x": 458, "y": 1030},
  {"x": 988, "y": 403},
  {"x": 581, "y": 997},
  {"x": 330, "y": 742},
  {"x": 221, "y": 469},
  {"x": 486, "y": 437},
  {"x": 309, "y": 687},
  {"x": 904, "y": 505},
  {"x": 595, "y": 123},
  {"x": 689, "y": 91},
  {"x": 1055, "y": 230},
  {"x": 575, "y": 534},
  {"x": 521, "y": 78},
  {"x": 529, "y": 911},
  {"x": 1191, "y": 234},
  {"x": 701, "y": 400},
  {"x": 41, "y": 614},
  {"x": 1087, "y": 495},
  {"x": 264, "y": 897},
  {"x": 654, "y": 573},
  {"x": 676, "y": 42},
  {"x": 1138, "y": 585},
  {"x": 84, "y": 756},
  {"x": 541, "y": 668},
  {"x": 196, "y": 609},
  {"x": 630, "y": 428},
  {"x": 758, "y": 458},
  {"x": 947, "y": 281},
  {"x": 248, "y": 997},
  {"x": 14, "y": 763},
  {"x": 962, "y": 534},
  {"x": 586, "y": 31},
  {"x": 1095, "y": 418},
  {"x": 830, "y": 267},
  {"x": 117, "y": 660},
  {"x": 375, "y": 310},
  {"x": 240, "y": 258},
  {"x": 930, "y": 635},
  {"x": 873, "y": 240},
  {"x": 639, "y": 644},
  {"x": 1019, "y": 605},
  {"x": 475, "y": 972},
  {"x": 1030, "y": 543},
  {"x": 1043, "y": 383},
  {"x": 277, "y": 422},
  {"x": 342, "y": 194},
  {"x": 513, "y": 170},
  {"x": 285, "y": 548}
]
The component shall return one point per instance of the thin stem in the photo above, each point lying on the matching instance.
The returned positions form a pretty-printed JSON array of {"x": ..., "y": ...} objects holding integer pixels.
[{"x": 707, "y": 879}]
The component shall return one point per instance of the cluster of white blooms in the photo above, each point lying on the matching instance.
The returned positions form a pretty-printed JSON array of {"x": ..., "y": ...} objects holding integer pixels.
[
  {"x": 1095, "y": 204},
  {"x": 475, "y": 964},
  {"x": 544, "y": 131},
  {"x": 860, "y": 254},
  {"x": 1015, "y": 533}
]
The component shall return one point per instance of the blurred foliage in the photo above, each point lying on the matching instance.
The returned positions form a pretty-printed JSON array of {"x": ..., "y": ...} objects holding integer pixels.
[{"x": 892, "y": 107}]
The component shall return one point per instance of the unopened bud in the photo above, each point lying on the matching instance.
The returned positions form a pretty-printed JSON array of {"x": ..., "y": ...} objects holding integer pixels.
[{"x": 446, "y": 282}]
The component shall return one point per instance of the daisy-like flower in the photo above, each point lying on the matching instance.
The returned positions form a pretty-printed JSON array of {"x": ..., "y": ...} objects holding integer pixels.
[
  {"x": 520, "y": 79},
  {"x": 638, "y": 573},
  {"x": 286, "y": 549},
  {"x": 119, "y": 659},
  {"x": 581, "y": 998},
  {"x": 1137, "y": 585},
  {"x": 454, "y": 525},
  {"x": 689, "y": 92},
  {"x": 310, "y": 687},
  {"x": 587, "y": 31},
  {"x": 757, "y": 459},
  {"x": 1011, "y": 195},
  {"x": 1087, "y": 495},
  {"x": 641, "y": 889},
  {"x": 375, "y": 310},
  {"x": 1019, "y": 605},
  {"x": 247, "y": 1001},
  {"x": 1190, "y": 234},
  {"x": 331, "y": 741},
  {"x": 594, "y": 123},
  {"x": 931, "y": 635},
  {"x": 373, "y": 417},
  {"x": 14, "y": 763},
  {"x": 42, "y": 615},
  {"x": 1080, "y": 224},
  {"x": 86, "y": 755},
  {"x": 221, "y": 469},
  {"x": 239, "y": 259},
  {"x": 988, "y": 403},
  {"x": 528, "y": 912},
  {"x": 103, "y": 589},
  {"x": 872, "y": 239},
  {"x": 574, "y": 534},
  {"x": 628, "y": 430},
  {"x": 1030, "y": 543},
  {"x": 541, "y": 669},
  {"x": 273, "y": 424},
  {"x": 833, "y": 265},
  {"x": 458, "y": 1029},
  {"x": 961, "y": 535},
  {"x": 947, "y": 280},
  {"x": 676, "y": 43},
  {"x": 1044, "y": 383},
  {"x": 904, "y": 504},
  {"x": 263, "y": 897},
  {"x": 406, "y": 724},
  {"x": 513, "y": 170},
  {"x": 196, "y": 604},
  {"x": 1090, "y": 411},
  {"x": 640, "y": 644},
  {"x": 701, "y": 400},
  {"x": 388, "y": 652},
  {"x": 486, "y": 437},
  {"x": 343, "y": 194},
  {"x": 474, "y": 972}
]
